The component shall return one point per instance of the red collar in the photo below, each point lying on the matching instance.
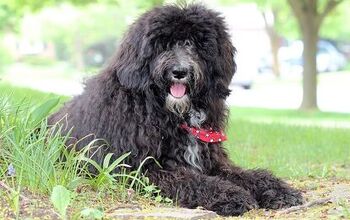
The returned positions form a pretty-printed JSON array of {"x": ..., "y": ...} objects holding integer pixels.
[{"x": 204, "y": 135}]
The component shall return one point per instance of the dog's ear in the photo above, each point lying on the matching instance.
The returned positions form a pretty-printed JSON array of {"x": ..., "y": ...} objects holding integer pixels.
[
  {"x": 227, "y": 60},
  {"x": 132, "y": 61},
  {"x": 225, "y": 67}
]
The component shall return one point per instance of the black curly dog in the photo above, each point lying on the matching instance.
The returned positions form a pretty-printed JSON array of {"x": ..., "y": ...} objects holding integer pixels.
[{"x": 168, "y": 81}]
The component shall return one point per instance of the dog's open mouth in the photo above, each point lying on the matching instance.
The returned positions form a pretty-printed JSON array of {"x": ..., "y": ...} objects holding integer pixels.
[{"x": 178, "y": 90}]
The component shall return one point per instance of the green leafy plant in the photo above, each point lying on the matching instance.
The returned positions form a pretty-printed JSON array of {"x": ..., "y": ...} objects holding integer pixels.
[
  {"x": 152, "y": 191},
  {"x": 39, "y": 113},
  {"x": 61, "y": 198},
  {"x": 105, "y": 177},
  {"x": 36, "y": 151},
  {"x": 91, "y": 213},
  {"x": 39, "y": 160},
  {"x": 129, "y": 182}
]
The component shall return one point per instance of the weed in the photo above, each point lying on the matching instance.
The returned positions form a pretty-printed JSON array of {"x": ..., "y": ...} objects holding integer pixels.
[
  {"x": 35, "y": 156},
  {"x": 90, "y": 213},
  {"x": 61, "y": 198}
]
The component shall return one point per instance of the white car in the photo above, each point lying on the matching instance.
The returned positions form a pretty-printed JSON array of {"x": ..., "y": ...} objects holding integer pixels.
[{"x": 328, "y": 58}]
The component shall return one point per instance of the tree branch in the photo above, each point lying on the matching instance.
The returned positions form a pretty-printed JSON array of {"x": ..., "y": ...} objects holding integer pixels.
[
  {"x": 331, "y": 4},
  {"x": 313, "y": 6},
  {"x": 306, "y": 205},
  {"x": 297, "y": 8},
  {"x": 339, "y": 192}
]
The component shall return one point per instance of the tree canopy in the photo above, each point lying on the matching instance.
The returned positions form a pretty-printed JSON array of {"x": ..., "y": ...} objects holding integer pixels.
[
  {"x": 12, "y": 11},
  {"x": 332, "y": 27}
]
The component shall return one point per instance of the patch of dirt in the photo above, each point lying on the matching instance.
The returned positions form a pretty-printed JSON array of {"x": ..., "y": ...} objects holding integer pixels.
[
  {"x": 30, "y": 206},
  {"x": 331, "y": 199},
  {"x": 324, "y": 199}
]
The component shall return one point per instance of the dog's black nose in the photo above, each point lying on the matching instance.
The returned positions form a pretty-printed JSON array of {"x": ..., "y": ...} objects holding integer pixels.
[{"x": 179, "y": 72}]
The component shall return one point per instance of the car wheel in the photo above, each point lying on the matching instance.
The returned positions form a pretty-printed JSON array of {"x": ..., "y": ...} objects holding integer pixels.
[{"x": 247, "y": 86}]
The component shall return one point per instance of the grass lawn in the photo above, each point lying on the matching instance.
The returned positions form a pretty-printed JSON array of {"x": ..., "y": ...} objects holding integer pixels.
[
  {"x": 308, "y": 148},
  {"x": 281, "y": 141},
  {"x": 17, "y": 95}
]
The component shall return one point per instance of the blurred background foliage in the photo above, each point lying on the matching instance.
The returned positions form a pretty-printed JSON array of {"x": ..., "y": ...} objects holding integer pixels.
[
  {"x": 286, "y": 25},
  {"x": 73, "y": 38},
  {"x": 74, "y": 25},
  {"x": 70, "y": 25}
]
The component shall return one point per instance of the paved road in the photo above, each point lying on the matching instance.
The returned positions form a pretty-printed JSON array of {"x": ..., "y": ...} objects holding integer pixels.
[{"x": 333, "y": 93}]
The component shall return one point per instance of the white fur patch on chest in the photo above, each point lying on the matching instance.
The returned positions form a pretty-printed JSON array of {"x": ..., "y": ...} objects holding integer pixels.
[
  {"x": 192, "y": 153},
  {"x": 192, "y": 156}
]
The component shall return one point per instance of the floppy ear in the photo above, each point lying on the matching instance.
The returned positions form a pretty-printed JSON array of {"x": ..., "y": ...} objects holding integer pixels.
[
  {"x": 227, "y": 61},
  {"x": 132, "y": 61},
  {"x": 225, "y": 68}
]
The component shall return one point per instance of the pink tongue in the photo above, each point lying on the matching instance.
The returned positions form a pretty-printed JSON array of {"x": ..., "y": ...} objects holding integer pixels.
[{"x": 178, "y": 90}]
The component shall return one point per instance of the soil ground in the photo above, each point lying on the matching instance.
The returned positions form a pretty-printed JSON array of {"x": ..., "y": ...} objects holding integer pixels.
[{"x": 39, "y": 207}]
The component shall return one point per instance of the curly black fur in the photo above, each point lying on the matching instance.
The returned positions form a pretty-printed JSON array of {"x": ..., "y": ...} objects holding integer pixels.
[{"x": 129, "y": 106}]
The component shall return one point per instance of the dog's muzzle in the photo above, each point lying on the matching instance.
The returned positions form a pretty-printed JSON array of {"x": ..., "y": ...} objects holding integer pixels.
[
  {"x": 178, "y": 100},
  {"x": 179, "y": 76}
]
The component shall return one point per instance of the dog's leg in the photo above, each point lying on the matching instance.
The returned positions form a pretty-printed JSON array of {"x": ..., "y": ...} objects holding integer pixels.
[
  {"x": 269, "y": 191},
  {"x": 191, "y": 189}
]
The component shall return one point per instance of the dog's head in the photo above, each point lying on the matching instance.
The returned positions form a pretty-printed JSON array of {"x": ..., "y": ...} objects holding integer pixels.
[{"x": 179, "y": 55}]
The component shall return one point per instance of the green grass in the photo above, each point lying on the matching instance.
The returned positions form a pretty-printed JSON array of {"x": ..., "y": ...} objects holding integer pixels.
[
  {"x": 32, "y": 149},
  {"x": 18, "y": 95},
  {"x": 291, "y": 143},
  {"x": 286, "y": 115}
]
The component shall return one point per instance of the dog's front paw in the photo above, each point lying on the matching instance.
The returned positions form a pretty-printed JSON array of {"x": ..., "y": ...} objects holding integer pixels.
[
  {"x": 282, "y": 196},
  {"x": 234, "y": 204}
]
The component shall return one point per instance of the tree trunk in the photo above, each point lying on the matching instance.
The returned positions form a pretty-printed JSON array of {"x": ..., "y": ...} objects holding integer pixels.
[
  {"x": 275, "y": 45},
  {"x": 310, "y": 39},
  {"x": 274, "y": 42},
  {"x": 310, "y": 20}
]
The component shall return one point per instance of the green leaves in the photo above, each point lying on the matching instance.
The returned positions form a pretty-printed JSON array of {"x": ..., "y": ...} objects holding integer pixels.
[
  {"x": 91, "y": 213},
  {"x": 61, "y": 197},
  {"x": 42, "y": 111},
  {"x": 105, "y": 175}
]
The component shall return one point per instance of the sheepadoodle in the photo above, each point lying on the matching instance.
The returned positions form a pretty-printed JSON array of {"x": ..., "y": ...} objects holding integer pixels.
[{"x": 163, "y": 95}]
